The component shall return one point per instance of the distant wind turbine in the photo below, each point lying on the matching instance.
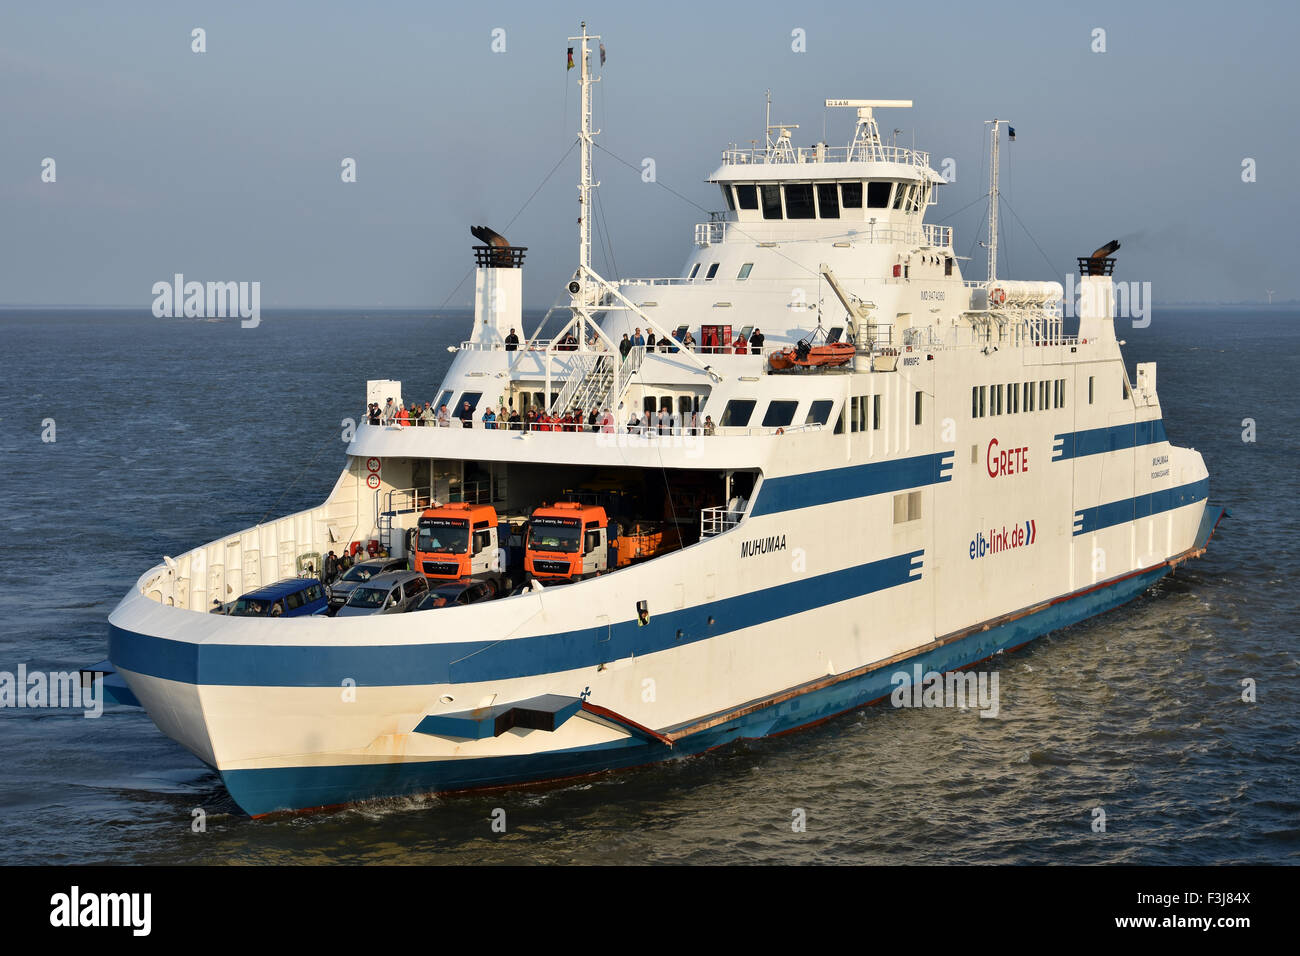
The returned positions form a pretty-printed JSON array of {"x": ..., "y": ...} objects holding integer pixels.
[{"x": 1270, "y": 296}]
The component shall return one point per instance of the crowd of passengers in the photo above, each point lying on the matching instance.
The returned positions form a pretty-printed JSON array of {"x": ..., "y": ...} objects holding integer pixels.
[
  {"x": 664, "y": 422},
  {"x": 569, "y": 343}
]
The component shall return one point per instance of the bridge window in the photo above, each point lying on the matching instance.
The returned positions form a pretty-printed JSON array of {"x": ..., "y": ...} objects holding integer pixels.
[
  {"x": 851, "y": 195},
  {"x": 771, "y": 194},
  {"x": 694, "y": 271},
  {"x": 713, "y": 270},
  {"x": 737, "y": 412},
  {"x": 726, "y": 194},
  {"x": 747, "y": 196},
  {"x": 779, "y": 414},
  {"x": 878, "y": 195},
  {"x": 819, "y": 412},
  {"x": 875, "y": 412},
  {"x": 828, "y": 201},
  {"x": 799, "y": 201},
  {"x": 1029, "y": 396},
  {"x": 745, "y": 270},
  {"x": 471, "y": 397}
]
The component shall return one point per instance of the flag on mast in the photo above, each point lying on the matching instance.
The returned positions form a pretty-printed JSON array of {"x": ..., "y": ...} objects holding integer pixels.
[
  {"x": 602, "y": 54},
  {"x": 1011, "y": 133},
  {"x": 570, "y": 66}
]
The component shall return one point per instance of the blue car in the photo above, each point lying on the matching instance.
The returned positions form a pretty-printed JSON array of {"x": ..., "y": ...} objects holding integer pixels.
[{"x": 292, "y": 597}]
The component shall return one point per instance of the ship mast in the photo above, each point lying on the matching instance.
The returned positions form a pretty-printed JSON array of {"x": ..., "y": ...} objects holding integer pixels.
[
  {"x": 585, "y": 139},
  {"x": 994, "y": 144}
]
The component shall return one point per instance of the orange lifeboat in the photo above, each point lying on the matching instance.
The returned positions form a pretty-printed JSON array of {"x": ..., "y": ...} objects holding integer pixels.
[{"x": 806, "y": 355}]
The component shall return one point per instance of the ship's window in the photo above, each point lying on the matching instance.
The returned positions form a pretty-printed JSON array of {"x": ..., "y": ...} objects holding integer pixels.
[
  {"x": 899, "y": 194},
  {"x": 1090, "y": 378},
  {"x": 914, "y": 198},
  {"x": 839, "y": 423},
  {"x": 858, "y": 417},
  {"x": 713, "y": 270},
  {"x": 907, "y": 507},
  {"x": 737, "y": 412},
  {"x": 819, "y": 412},
  {"x": 878, "y": 194},
  {"x": 726, "y": 194},
  {"x": 851, "y": 195},
  {"x": 947, "y": 265},
  {"x": 916, "y": 410},
  {"x": 685, "y": 405},
  {"x": 875, "y": 412},
  {"x": 1013, "y": 398},
  {"x": 443, "y": 399},
  {"x": 471, "y": 397},
  {"x": 1062, "y": 393},
  {"x": 745, "y": 270},
  {"x": 648, "y": 405},
  {"x": 799, "y": 201},
  {"x": 995, "y": 406},
  {"x": 983, "y": 393},
  {"x": 779, "y": 414},
  {"x": 1029, "y": 396},
  {"x": 974, "y": 401},
  {"x": 694, "y": 271},
  {"x": 747, "y": 196},
  {"x": 771, "y": 194},
  {"x": 1042, "y": 395},
  {"x": 1124, "y": 382},
  {"x": 828, "y": 201}
]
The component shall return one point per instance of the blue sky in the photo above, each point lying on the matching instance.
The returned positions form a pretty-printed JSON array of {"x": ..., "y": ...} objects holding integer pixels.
[{"x": 226, "y": 165}]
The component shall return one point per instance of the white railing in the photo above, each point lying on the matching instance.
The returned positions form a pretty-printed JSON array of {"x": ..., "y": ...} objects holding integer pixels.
[
  {"x": 827, "y": 154},
  {"x": 709, "y": 233},
  {"x": 717, "y": 520},
  {"x": 936, "y": 237},
  {"x": 716, "y": 233}
]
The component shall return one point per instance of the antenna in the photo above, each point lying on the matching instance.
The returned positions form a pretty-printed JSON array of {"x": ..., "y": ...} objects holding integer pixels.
[
  {"x": 866, "y": 143},
  {"x": 995, "y": 142},
  {"x": 585, "y": 137}
]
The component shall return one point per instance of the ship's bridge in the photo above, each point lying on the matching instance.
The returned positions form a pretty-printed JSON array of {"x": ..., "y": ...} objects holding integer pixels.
[{"x": 865, "y": 181}]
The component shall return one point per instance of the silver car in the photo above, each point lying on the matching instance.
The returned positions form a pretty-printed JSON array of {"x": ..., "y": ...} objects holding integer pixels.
[
  {"x": 388, "y": 593},
  {"x": 341, "y": 589}
]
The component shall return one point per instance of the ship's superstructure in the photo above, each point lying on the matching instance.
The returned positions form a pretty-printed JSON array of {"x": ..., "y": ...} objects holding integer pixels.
[{"x": 969, "y": 477}]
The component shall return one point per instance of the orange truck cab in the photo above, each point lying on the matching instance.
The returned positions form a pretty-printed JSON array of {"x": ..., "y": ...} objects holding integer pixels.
[
  {"x": 457, "y": 541},
  {"x": 567, "y": 541}
]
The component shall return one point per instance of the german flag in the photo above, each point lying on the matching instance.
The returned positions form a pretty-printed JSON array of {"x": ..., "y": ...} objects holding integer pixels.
[{"x": 570, "y": 66}]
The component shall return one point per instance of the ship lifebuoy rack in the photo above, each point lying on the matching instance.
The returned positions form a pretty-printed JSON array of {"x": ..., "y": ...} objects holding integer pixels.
[{"x": 998, "y": 296}]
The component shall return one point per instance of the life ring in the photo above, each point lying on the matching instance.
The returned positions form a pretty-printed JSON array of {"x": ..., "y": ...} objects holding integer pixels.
[{"x": 998, "y": 296}]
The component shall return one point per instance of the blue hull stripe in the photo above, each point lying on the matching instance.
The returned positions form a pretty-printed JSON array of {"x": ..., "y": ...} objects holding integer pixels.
[
  {"x": 789, "y": 492},
  {"x": 1097, "y": 441},
  {"x": 1142, "y": 506},
  {"x": 388, "y": 665},
  {"x": 287, "y": 788}
]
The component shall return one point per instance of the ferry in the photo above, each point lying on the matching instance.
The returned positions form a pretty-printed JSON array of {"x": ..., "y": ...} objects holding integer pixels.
[{"x": 839, "y": 459}]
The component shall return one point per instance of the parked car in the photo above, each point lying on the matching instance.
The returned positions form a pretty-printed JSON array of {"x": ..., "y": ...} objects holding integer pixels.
[
  {"x": 291, "y": 597},
  {"x": 358, "y": 574},
  {"x": 388, "y": 593},
  {"x": 461, "y": 591}
]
